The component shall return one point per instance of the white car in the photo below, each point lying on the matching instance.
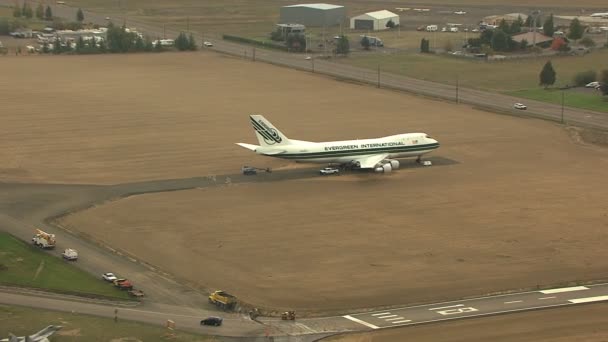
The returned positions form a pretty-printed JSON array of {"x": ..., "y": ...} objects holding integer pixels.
[
  {"x": 592, "y": 85},
  {"x": 207, "y": 44},
  {"x": 520, "y": 106},
  {"x": 109, "y": 277},
  {"x": 329, "y": 171}
]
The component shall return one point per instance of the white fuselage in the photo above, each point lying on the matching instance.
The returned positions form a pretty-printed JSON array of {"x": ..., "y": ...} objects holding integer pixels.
[{"x": 341, "y": 152}]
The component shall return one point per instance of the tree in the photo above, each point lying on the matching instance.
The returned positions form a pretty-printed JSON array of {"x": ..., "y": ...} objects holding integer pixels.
[
  {"x": 57, "y": 46},
  {"x": 79, "y": 44},
  {"x": 39, "y": 11},
  {"x": 499, "y": 41},
  {"x": 17, "y": 11},
  {"x": 277, "y": 35},
  {"x": 296, "y": 42},
  {"x": 193, "y": 47},
  {"x": 424, "y": 46},
  {"x": 523, "y": 44},
  {"x": 48, "y": 13},
  {"x": 27, "y": 10},
  {"x": 547, "y": 75},
  {"x": 158, "y": 47},
  {"x": 365, "y": 43},
  {"x": 587, "y": 42},
  {"x": 343, "y": 46},
  {"x": 585, "y": 77},
  {"x": 140, "y": 45},
  {"x": 390, "y": 24},
  {"x": 79, "y": 15},
  {"x": 516, "y": 25},
  {"x": 548, "y": 26},
  {"x": 576, "y": 29},
  {"x": 604, "y": 82},
  {"x": 181, "y": 42},
  {"x": 5, "y": 28},
  {"x": 503, "y": 26}
]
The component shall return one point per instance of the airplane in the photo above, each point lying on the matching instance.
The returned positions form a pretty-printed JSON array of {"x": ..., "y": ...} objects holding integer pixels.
[
  {"x": 41, "y": 336},
  {"x": 376, "y": 154},
  {"x": 601, "y": 15},
  {"x": 460, "y": 12}
]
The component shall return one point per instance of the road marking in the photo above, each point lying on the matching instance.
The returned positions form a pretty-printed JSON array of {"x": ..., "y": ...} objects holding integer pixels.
[
  {"x": 387, "y": 316},
  {"x": 404, "y": 321},
  {"x": 361, "y": 322},
  {"x": 380, "y": 314},
  {"x": 515, "y": 301},
  {"x": 564, "y": 289},
  {"x": 542, "y": 298},
  {"x": 393, "y": 319},
  {"x": 588, "y": 299},
  {"x": 446, "y": 307}
]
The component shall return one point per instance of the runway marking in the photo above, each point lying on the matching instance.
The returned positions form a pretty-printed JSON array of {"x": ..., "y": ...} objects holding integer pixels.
[
  {"x": 387, "y": 316},
  {"x": 393, "y": 319},
  {"x": 588, "y": 299},
  {"x": 404, "y": 321},
  {"x": 543, "y": 298},
  {"x": 306, "y": 328},
  {"x": 380, "y": 314},
  {"x": 361, "y": 322},
  {"x": 514, "y": 301},
  {"x": 456, "y": 311},
  {"x": 446, "y": 307},
  {"x": 564, "y": 289}
]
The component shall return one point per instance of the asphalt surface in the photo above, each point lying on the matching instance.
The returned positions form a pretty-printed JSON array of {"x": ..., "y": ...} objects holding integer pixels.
[{"x": 23, "y": 207}]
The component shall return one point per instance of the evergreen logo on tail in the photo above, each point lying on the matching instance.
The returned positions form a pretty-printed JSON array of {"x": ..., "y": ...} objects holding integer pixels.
[{"x": 269, "y": 134}]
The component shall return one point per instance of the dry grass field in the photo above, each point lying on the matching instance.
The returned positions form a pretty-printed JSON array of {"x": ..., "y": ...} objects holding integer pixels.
[{"x": 522, "y": 204}]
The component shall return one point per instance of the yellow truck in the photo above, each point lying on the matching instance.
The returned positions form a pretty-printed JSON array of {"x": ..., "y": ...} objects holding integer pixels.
[{"x": 223, "y": 300}]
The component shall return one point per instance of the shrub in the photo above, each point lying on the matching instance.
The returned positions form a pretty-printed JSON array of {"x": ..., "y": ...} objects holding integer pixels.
[{"x": 585, "y": 77}]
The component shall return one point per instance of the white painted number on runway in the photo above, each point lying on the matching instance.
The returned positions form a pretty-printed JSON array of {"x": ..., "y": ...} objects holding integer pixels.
[{"x": 456, "y": 311}]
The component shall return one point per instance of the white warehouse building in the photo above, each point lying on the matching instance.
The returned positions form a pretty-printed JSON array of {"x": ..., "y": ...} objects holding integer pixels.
[{"x": 373, "y": 20}]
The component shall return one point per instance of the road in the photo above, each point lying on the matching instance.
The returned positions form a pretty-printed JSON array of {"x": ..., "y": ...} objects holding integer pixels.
[{"x": 25, "y": 206}]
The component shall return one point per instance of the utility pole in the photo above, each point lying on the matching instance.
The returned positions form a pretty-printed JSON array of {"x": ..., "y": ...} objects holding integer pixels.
[
  {"x": 312, "y": 60},
  {"x": 253, "y": 53},
  {"x": 562, "y": 107},
  {"x": 188, "y": 24},
  {"x": 164, "y": 32},
  {"x": 378, "y": 75}
]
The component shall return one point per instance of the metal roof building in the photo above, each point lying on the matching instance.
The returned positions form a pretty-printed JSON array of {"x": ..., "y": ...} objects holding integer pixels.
[
  {"x": 373, "y": 20},
  {"x": 318, "y": 15}
]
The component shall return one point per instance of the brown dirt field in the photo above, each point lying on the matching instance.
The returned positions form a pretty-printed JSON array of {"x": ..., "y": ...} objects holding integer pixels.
[
  {"x": 523, "y": 206},
  {"x": 582, "y": 323}
]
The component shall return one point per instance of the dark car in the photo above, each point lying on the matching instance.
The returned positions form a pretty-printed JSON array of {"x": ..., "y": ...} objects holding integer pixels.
[{"x": 217, "y": 321}]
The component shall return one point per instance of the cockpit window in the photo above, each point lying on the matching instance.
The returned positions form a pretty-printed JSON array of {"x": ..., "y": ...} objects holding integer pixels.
[{"x": 429, "y": 137}]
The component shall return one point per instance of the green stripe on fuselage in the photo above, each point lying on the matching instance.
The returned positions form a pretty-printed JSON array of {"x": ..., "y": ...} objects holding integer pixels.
[{"x": 363, "y": 151}]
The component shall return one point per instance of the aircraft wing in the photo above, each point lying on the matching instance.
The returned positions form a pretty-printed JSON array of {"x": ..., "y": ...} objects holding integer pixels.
[{"x": 370, "y": 160}]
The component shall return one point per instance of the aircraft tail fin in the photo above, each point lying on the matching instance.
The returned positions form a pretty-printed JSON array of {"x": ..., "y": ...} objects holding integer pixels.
[{"x": 267, "y": 134}]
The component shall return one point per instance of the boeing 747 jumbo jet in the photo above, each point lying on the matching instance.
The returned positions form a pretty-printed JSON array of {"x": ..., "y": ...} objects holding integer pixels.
[{"x": 374, "y": 154}]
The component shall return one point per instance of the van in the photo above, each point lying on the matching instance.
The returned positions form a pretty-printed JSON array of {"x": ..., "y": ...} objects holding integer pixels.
[{"x": 431, "y": 28}]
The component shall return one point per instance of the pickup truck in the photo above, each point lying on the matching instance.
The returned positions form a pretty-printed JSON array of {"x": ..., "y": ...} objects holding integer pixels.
[{"x": 329, "y": 171}]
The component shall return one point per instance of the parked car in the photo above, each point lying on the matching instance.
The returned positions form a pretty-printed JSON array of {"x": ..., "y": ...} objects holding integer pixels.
[
  {"x": 593, "y": 85},
  {"x": 520, "y": 106},
  {"x": 213, "y": 320},
  {"x": 109, "y": 277},
  {"x": 329, "y": 171},
  {"x": 208, "y": 44}
]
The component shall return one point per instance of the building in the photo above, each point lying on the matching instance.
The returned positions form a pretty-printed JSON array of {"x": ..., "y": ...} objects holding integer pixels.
[
  {"x": 373, "y": 20},
  {"x": 314, "y": 15},
  {"x": 533, "y": 38},
  {"x": 508, "y": 18}
]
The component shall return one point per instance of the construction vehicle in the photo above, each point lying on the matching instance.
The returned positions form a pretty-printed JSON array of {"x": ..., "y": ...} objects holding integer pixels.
[
  {"x": 123, "y": 284},
  {"x": 70, "y": 254},
  {"x": 250, "y": 170},
  {"x": 43, "y": 239},
  {"x": 288, "y": 315},
  {"x": 223, "y": 300}
]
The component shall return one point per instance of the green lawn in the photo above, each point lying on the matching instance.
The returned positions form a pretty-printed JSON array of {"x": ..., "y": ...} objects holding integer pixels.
[
  {"x": 571, "y": 98},
  {"x": 22, "y": 264},
  {"x": 77, "y": 327}
]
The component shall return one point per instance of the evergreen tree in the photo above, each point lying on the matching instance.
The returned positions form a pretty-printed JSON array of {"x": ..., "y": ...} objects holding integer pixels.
[
  {"x": 343, "y": 47},
  {"x": 516, "y": 25},
  {"x": 39, "y": 11},
  {"x": 193, "y": 47},
  {"x": 157, "y": 46},
  {"x": 27, "y": 10},
  {"x": 57, "y": 46},
  {"x": 503, "y": 26},
  {"x": 548, "y": 26},
  {"x": 79, "y": 44},
  {"x": 390, "y": 24},
  {"x": 17, "y": 11},
  {"x": 365, "y": 42},
  {"x": 604, "y": 82},
  {"x": 102, "y": 46},
  {"x": 547, "y": 75},
  {"x": 576, "y": 29},
  {"x": 139, "y": 44},
  {"x": 48, "y": 13},
  {"x": 499, "y": 41},
  {"x": 79, "y": 15},
  {"x": 523, "y": 44}
]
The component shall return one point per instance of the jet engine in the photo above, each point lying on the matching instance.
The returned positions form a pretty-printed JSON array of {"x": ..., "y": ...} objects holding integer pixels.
[
  {"x": 383, "y": 168},
  {"x": 394, "y": 164}
]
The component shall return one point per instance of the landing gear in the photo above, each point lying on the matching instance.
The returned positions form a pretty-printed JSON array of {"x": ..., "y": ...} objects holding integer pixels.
[
  {"x": 423, "y": 163},
  {"x": 419, "y": 160}
]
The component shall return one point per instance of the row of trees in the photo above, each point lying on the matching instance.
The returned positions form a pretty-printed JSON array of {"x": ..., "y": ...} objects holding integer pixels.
[{"x": 27, "y": 12}]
